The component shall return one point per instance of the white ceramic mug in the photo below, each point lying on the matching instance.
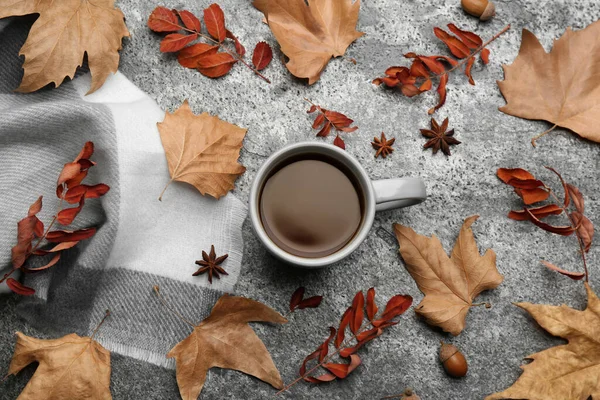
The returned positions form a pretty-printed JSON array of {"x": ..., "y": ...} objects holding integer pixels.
[{"x": 378, "y": 195}]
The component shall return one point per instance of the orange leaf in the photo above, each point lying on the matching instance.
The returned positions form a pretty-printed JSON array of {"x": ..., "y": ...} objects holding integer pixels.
[
  {"x": 341, "y": 333},
  {"x": 343, "y": 370},
  {"x": 485, "y": 56},
  {"x": 357, "y": 312},
  {"x": 559, "y": 230},
  {"x": 506, "y": 174},
  {"x": 441, "y": 90},
  {"x": 539, "y": 212},
  {"x": 190, "y": 20},
  {"x": 573, "y": 275},
  {"x": 35, "y": 207},
  {"x": 70, "y": 236},
  {"x": 52, "y": 262},
  {"x": 189, "y": 56},
  {"x": 456, "y": 46},
  {"x": 215, "y": 65},
  {"x": 176, "y": 41},
  {"x": 19, "y": 288},
  {"x": 371, "y": 306},
  {"x": 95, "y": 191},
  {"x": 339, "y": 142},
  {"x": 531, "y": 196},
  {"x": 67, "y": 215},
  {"x": 525, "y": 183},
  {"x": 163, "y": 20},
  {"x": 472, "y": 40},
  {"x": 262, "y": 55},
  {"x": 214, "y": 19},
  {"x": 468, "y": 70}
]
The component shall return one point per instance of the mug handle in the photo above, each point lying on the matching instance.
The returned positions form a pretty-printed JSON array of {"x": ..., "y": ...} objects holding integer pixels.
[{"x": 398, "y": 193}]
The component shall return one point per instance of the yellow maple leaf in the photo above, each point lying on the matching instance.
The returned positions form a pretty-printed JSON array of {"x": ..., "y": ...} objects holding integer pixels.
[
  {"x": 570, "y": 371},
  {"x": 449, "y": 284},
  {"x": 202, "y": 150},
  {"x": 65, "y": 31},
  {"x": 310, "y": 34}
]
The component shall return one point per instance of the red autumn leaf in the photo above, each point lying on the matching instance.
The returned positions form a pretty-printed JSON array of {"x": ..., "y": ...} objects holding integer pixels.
[
  {"x": 585, "y": 229},
  {"x": 70, "y": 236},
  {"x": 69, "y": 172},
  {"x": 75, "y": 194},
  {"x": 18, "y": 288},
  {"x": 215, "y": 65},
  {"x": 371, "y": 306},
  {"x": 190, "y": 20},
  {"x": 39, "y": 228},
  {"x": 95, "y": 191},
  {"x": 163, "y": 20},
  {"x": 431, "y": 63},
  {"x": 262, "y": 55},
  {"x": 417, "y": 69},
  {"x": 176, "y": 41},
  {"x": 539, "y": 212},
  {"x": 325, "y": 131},
  {"x": 559, "y": 230},
  {"x": 239, "y": 48},
  {"x": 56, "y": 249},
  {"x": 296, "y": 298},
  {"x": 363, "y": 338},
  {"x": 472, "y": 40},
  {"x": 339, "y": 142},
  {"x": 573, "y": 275},
  {"x": 441, "y": 90},
  {"x": 67, "y": 215},
  {"x": 189, "y": 56},
  {"x": 343, "y": 370},
  {"x": 485, "y": 56},
  {"x": 345, "y": 321},
  {"x": 468, "y": 70},
  {"x": 531, "y": 196},
  {"x": 357, "y": 312},
  {"x": 455, "y": 45},
  {"x": 526, "y": 183},
  {"x": 51, "y": 263},
  {"x": 311, "y": 302},
  {"x": 396, "y": 306},
  {"x": 567, "y": 200},
  {"x": 35, "y": 208},
  {"x": 340, "y": 121},
  {"x": 506, "y": 174},
  {"x": 214, "y": 19},
  {"x": 320, "y": 353},
  {"x": 577, "y": 197}
]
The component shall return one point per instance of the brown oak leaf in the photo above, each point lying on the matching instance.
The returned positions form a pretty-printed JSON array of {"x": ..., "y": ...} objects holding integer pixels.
[
  {"x": 225, "y": 340},
  {"x": 312, "y": 32},
  {"x": 63, "y": 34},
  {"x": 202, "y": 150},
  {"x": 568, "y": 371},
  {"x": 450, "y": 284},
  {"x": 561, "y": 87}
]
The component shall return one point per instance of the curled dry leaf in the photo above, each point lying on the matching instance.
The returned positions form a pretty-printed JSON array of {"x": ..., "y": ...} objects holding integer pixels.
[
  {"x": 450, "y": 284},
  {"x": 299, "y": 302},
  {"x": 225, "y": 340},
  {"x": 312, "y": 32},
  {"x": 202, "y": 150},
  {"x": 63, "y": 34},
  {"x": 561, "y": 87},
  {"x": 567, "y": 371}
]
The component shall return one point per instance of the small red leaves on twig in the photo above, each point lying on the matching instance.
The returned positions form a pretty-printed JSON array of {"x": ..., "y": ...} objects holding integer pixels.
[
  {"x": 298, "y": 302},
  {"x": 418, "y": 78},
  {"x": 532, "y": 190},
  {"x": 343, "y": 370},
  {"x": 327, "y": 119},
  {"x": 345, "y": 321},
  {"x": 185, "y": 28},
  {"x": 262, "y": 55},
  {"x": 320, "y": 353}
]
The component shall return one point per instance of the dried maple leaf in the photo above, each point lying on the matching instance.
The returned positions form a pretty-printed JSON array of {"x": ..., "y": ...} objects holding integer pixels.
[
  {"x": 568, "y": 371},
  {"x": 383, "y": 145},
  {"x": 561, "y": 87},
  {"x": 312, "y": 32},
  {"x": 202, "y": 150},
  {"x": 225, "y": 340},
  {"x": 72, "y": 367},
  {"x": 63, "y": 34},
  {"x": 450, "y": 284},
  {"x": 211, "y": 263},
  {"x": 439, "y": 137},
  {"x": 327, "y": 119}
]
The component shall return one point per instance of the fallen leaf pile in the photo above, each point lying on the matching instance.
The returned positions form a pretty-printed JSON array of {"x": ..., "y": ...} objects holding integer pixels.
[
  {"x": 362, "y": 332},
  {"x": 63, "y": 34},
  {"x": 205, "y": 57},
  {"x": 568, "y": 371},
  {"x": 202, "y": 150},
  {"x": 439, "y": 137},
  {"x": 225, "y": 340},
  {"x": 311, "y": 32},
  {"x": 532, "y": 191},
  {"x": 298, "y": 302},
  {"x": 561, "y": 87},
  {"x": 450, "y": 284},
  {"x": 326, "y": 119},
  {"x": 417, "y": 78},
  {"x": 33, "y": 239},
  {"x": 72, "y": 367}
]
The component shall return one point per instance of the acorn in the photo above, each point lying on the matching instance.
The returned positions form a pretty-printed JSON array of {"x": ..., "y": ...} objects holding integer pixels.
[
  {"x": 483, "y": 9},
  {"x": 453, "y": 360}
]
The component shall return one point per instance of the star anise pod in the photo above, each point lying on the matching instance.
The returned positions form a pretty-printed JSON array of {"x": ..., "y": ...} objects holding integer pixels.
[
  {"x": 438, "y": 137},
  {"x": 383, "y": 146},
  {"x": 210, "y": 263}
]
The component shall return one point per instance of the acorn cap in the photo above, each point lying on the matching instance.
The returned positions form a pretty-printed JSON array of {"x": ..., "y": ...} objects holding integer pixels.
[
  {"x": 447, "y": 351},
  {"x": 489, "y": 12}
]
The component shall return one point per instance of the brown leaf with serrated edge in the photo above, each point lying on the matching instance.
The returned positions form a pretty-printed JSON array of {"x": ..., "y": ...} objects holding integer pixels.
[
  {"x": 539, "y": 212},
  {"x": 573, "y": 275},
  {"x": 561, "y": 87},
  {"x": 214, "y": 20},
  {"x": 225, "y": 340},
  {"x": 189, "y": 56},
  {"x": 450, "y": 284},
  {"x": 262, "y": 55},
  {"x": 62, "y": 35},
  {"x": 83, "y": 360},
  {"x": 202, "y": 150},
  {"x": 215, "y": 65},
  {"x": 311, "y": 34},
  {"x": 566, "y": 371},
  {"x": 585, "y": 229}
]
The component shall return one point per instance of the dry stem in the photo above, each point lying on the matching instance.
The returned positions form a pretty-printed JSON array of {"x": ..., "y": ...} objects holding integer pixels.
[
  {"x": 107, "y": 313},
  {"x": 542, "y": 134},
  {"x": 171, "y": 309}
]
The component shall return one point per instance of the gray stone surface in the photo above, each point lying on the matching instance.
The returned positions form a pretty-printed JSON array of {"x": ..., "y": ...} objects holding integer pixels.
[{"x": 495, "y": 340}]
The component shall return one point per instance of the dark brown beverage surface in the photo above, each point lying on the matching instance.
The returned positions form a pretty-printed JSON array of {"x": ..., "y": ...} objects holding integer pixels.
[{"x": 310, "y": 208}]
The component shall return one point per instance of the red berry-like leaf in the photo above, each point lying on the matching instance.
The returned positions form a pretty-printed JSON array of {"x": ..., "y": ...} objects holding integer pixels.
[
  {"x": 214, "y": 19},
  {"x": 163, "y": 20}
]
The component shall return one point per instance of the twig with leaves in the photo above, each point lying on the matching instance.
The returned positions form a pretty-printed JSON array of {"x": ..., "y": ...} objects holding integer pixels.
[{"x": 326, "y": 119}]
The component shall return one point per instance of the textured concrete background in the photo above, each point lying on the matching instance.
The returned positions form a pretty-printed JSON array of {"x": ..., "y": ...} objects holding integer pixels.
[{"x": 495, "y": 340}]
